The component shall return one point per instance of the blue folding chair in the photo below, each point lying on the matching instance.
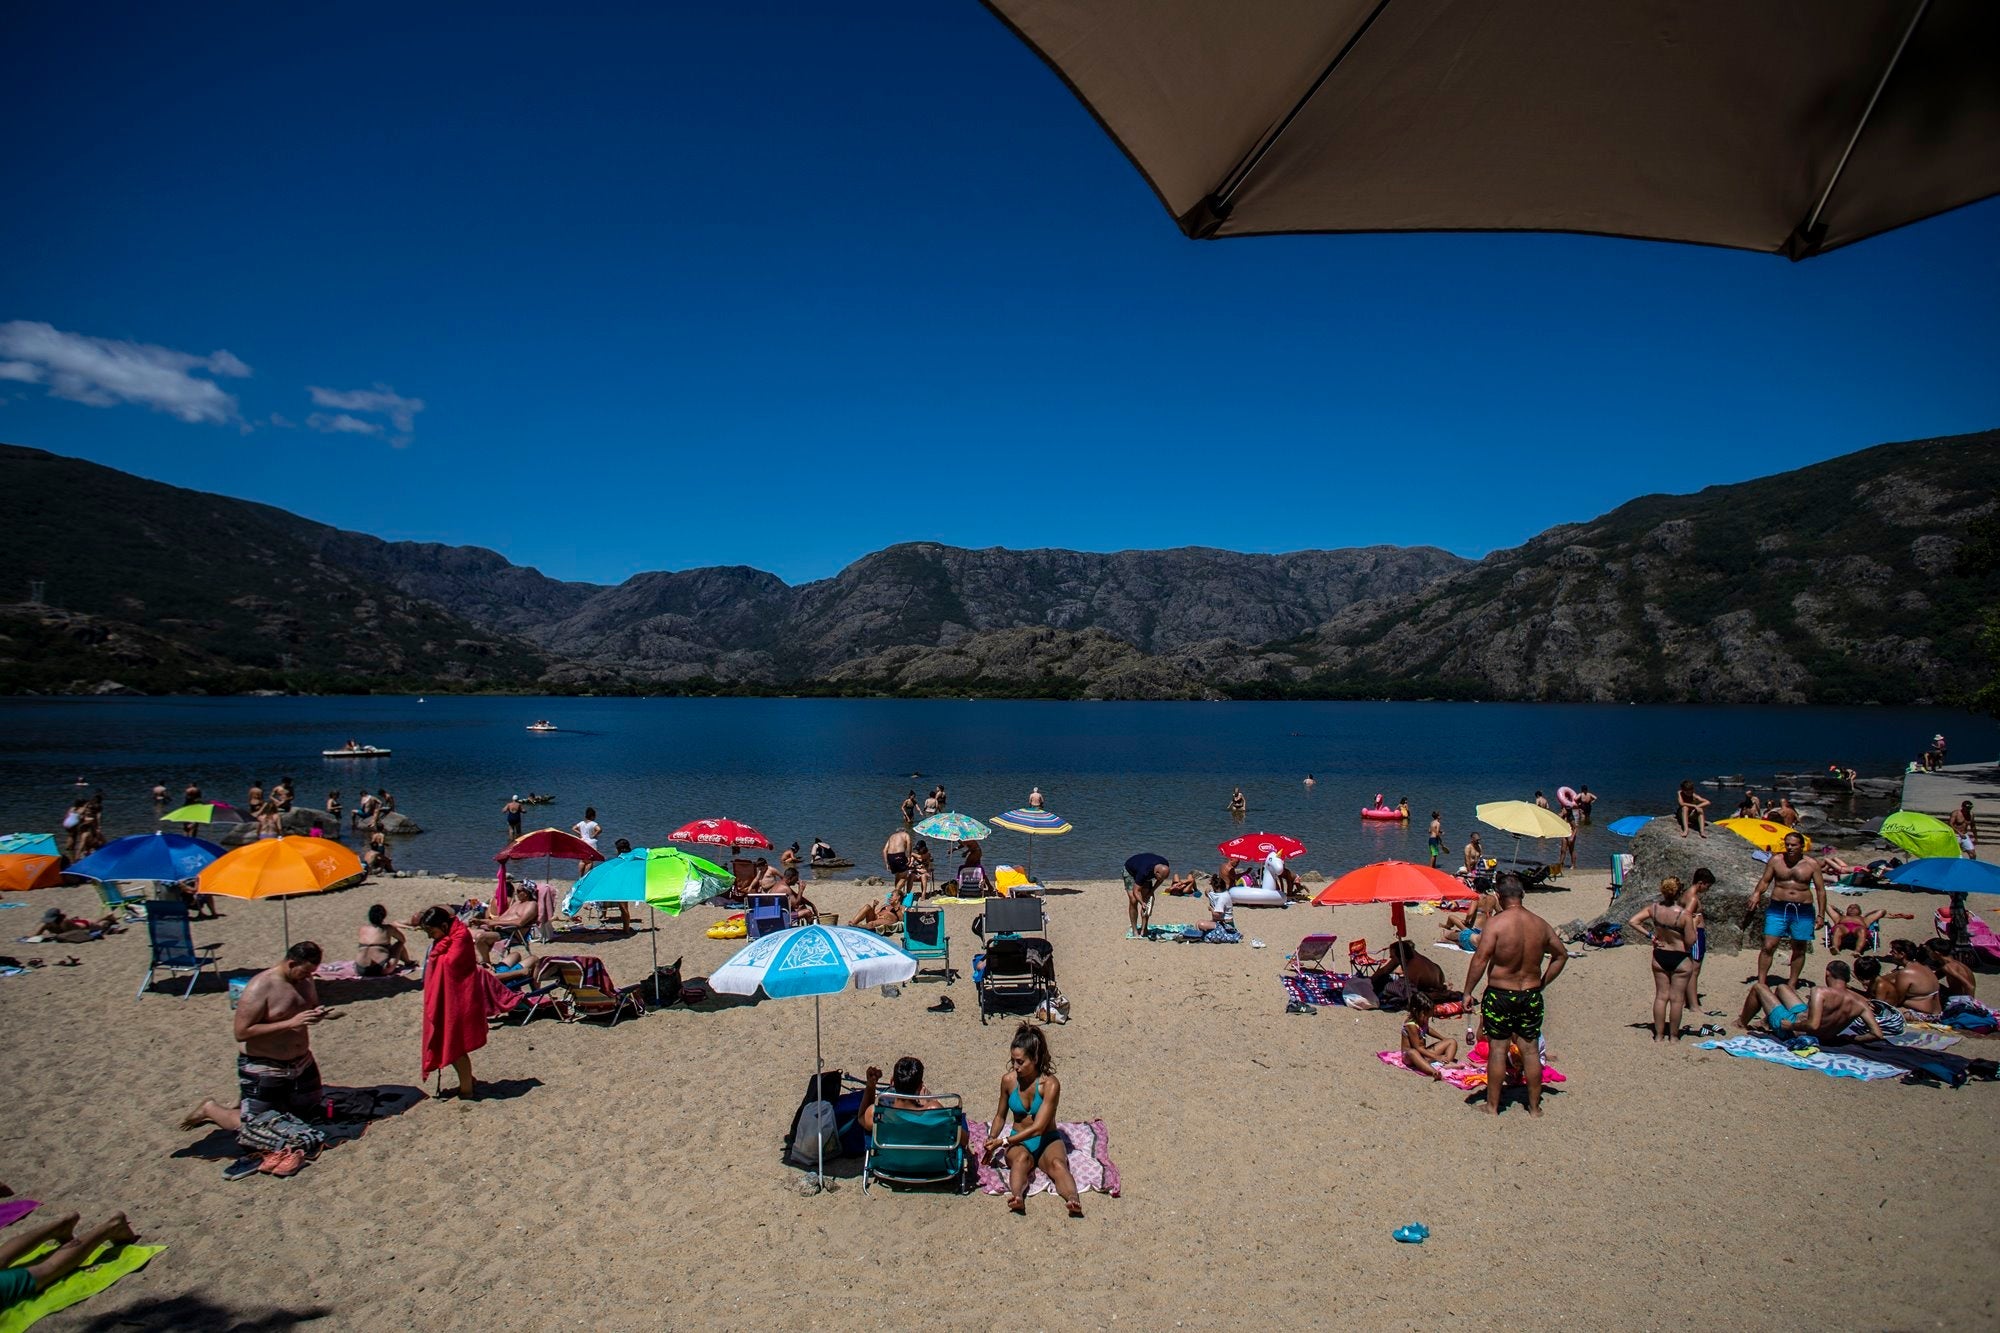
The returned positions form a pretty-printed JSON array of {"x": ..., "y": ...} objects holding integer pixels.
[
  {"x": 924, "y": 937},
  {"x": 916, "y": 1146},
  {"x": 765, "y": 915},
  {"x": 173, "y": 947}
]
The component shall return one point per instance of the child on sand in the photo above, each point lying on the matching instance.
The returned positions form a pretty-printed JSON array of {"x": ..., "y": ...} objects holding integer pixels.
[{"x": 1423, "y": 1050}]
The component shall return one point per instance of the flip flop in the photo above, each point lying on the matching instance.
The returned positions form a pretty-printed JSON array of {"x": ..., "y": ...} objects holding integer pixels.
[
  {"x": 1415, "y": 1233},
  {"x": 1299, "y": 1007}
]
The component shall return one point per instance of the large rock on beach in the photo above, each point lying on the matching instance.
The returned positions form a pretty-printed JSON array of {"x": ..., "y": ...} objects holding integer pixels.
[{"x": 1658, "y": 850}]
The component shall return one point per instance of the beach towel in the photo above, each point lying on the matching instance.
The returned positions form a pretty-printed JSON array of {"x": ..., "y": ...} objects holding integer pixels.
[
  {"x": 1945, "y": 1068},
  {"x": 1089, "y": 1160},
  {"x": 97, "y": 1274},
  {"x": 1832, "y": 1064},
  {"x": 1977, "y": 933},
  {"x": 1467, "y": 1079},
  {"x": 345, "y": 969},
  {"x": 13, "y": 1210},
  {"x": 1923, "y": 1041},
  {"x": 546, "y": 904},
  {"x": 455, "y": 1001},
  {"x": 1313, "y": 987}
]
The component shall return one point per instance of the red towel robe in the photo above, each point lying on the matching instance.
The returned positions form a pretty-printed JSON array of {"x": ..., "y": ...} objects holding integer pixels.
[{"x": 455, "y": 1003}]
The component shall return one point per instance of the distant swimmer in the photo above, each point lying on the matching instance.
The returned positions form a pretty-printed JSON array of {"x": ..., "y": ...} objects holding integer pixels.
[
  {"x": 1310, "y": 782},
  {"x": 1035, "y": 799},
  {"x": 1237, "y": 803}
]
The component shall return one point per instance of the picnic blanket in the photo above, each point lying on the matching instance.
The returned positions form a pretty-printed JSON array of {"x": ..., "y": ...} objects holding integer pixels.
[
  {"x": 1832, "y": 1064},
  {"x": 1468, "y": 1079},
  {"x": 1089, "y": 1160},
  {"x": 1313, "y": 987},
  {"x": 107, "y": 1263}
]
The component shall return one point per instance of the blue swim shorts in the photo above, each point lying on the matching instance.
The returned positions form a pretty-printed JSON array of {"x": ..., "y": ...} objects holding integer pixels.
[
  {"x": 1782, "y": 1016},
  {"x": 1789, "y": 921},
  {"x": 1468, "y": 940}
]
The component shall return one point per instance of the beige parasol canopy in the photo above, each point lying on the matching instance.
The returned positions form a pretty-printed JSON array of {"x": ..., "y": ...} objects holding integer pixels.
[{"x": 1786, "y": 126}]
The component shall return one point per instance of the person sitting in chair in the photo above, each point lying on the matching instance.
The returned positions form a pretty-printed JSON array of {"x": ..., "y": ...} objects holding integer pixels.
[
  {"x": 802, "y": 911},
  {"x": 884, "y": 918},
  {"x": 521, "y": 915},
  {"x": 911, "y": 1094},
  {"x": 1850, "y": 928}
]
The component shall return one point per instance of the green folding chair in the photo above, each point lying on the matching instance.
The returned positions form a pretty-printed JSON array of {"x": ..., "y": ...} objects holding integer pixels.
[
  {"x": 913, "y": 1145},
  {"x": 924, "y": 937}
]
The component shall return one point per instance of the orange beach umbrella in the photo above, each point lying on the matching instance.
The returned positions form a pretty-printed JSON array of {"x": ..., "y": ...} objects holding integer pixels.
[
  {"x": 280, "y": 868},
  {"x": 1394, "y": 882},
  {"x": 29, "y": 861}
]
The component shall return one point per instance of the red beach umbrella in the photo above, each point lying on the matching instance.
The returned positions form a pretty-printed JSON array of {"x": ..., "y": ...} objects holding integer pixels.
[
  {"x": 1395, "y": 882},
  {"x": 720, "y": 833},
  {"x": 549, "y": 842},
  {"x": 1256, "y": 846}
]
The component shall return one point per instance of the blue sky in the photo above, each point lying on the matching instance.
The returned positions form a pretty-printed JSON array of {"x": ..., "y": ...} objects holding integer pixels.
[{"x": 783, "y": 284}]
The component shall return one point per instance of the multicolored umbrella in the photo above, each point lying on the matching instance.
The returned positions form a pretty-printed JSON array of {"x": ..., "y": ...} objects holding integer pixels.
[
  {"x": 1920, "y": 834},
  {"x": 1765, "y": 835},
  {"x": 813, "y": 960},
  {"x": 666, "y": 879},
  {"x": 163, "y": 858},
  {"x": 719, "y": 833},
  {"x": 29, "y": 861},
  {"x": 1947, "y": 874},
  {"x": 950, "y": 826},
  {"x": 1256, "y": 846},
  {"x": 206, "y": 812},
  {"x": 1037, "y": 822},
  {"x": 280, "y": 868}
]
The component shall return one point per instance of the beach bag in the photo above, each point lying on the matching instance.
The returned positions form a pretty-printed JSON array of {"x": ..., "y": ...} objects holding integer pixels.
[
  {"x": 838, "y": 1126},
  {"x": 816, "y": 1136},
  {"x": 1604, "y": 935},
  {"x": 276, "y": 1131}
]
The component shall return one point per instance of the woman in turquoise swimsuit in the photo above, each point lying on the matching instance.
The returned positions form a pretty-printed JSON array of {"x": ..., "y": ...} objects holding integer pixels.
[{"x": 1029, "y": 1093}]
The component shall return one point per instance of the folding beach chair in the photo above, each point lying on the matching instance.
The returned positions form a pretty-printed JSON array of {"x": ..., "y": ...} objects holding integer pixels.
[
  {"x": 1009, "y": 976},
  {"x": 915, "y": 1145},
  {"x": 766, "y": 915},
  {"x": 1014, "y": 916},
  {"x": 924, "y": 937},
  {"x": 1358, "y": 956},
  {"x": 172, "y": 941},
  {"x": 579, "y": 993},
  {"x": 1311, "y": 953},
  {"x": 128, "y": 906},
  {"x": 1874, "y": 936},
  {"x": 972, "y": 881}
]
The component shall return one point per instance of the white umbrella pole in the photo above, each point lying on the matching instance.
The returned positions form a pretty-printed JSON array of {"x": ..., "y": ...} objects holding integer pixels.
[{"x": 819, "y": 1064}]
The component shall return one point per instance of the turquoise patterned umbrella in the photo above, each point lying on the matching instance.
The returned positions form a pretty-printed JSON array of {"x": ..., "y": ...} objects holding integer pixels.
[{"x": 952, "y": 827}]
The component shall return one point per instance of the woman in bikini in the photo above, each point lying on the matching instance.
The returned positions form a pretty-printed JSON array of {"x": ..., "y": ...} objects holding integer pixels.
[
  {"x": 1672, "y": 938},
  {"x": 1029, "y": 1093},
  {"x": 1850, "y": 928}
]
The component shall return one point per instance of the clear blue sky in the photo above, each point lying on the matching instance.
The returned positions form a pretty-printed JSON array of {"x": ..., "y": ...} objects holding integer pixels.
[{"x": 782, "y": 284}]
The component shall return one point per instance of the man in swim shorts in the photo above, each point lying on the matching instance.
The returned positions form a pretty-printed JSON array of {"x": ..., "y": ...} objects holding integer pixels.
[
  {"x": 896, "y": 860},
  {"x": 1797, "y": 905},
  {"x": 275, "y": 1070},
  {"x": 1436, "y": 838},
  {"x": 1519, "y": 955},
  {"x": 1145, "y": 874},
  {"x": 1831, "y": 1011}
]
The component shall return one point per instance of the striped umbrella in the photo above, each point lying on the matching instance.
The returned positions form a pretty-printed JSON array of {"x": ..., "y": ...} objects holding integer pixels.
[
  {"x": 666, "y": 879},
  {"x": 1036, "y": 822},
  {"x": 950, "y": 826}
]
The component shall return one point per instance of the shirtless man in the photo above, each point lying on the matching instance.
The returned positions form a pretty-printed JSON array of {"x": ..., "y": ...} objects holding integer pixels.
[
  {"x": 522, "y": 914},
  {"x": 1784, "y": 812},
  {"x": 1966, "y": 829},
  {"x": 1436, "y": 838},
  {"x": 1912, "y": 986},
  {"x": 1464, "y": 930},
  {"x": 1475, "y": 857},
  {"x": 1797, "y": 905},
  {"x": 896, "y": 860},
  {"x": 1832, "y": 1009},
  {"x": 276, "y": 1069},
  {"x": 1511, "y": 955}
]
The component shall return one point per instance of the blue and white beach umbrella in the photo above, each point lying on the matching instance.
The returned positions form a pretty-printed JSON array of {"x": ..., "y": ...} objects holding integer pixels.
[{"x": 813, "y": 960}]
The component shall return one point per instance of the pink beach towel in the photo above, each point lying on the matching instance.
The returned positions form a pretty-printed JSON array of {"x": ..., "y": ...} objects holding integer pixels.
[
  {"x": 1466, "y": 1079},
  {"x": 1089, "y": 1160}
]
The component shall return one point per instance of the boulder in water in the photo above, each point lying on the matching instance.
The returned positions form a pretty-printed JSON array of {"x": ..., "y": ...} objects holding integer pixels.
[{"x": 395, "y": 824}]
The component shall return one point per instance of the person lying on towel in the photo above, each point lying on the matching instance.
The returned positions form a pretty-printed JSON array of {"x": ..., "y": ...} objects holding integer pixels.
[{"x": 1825, "y": 1017}]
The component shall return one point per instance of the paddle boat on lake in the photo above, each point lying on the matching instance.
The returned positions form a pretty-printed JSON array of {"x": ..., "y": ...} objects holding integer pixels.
[
  {"x": 543, "y": 725},
  {"x": 356, "y": 750}
]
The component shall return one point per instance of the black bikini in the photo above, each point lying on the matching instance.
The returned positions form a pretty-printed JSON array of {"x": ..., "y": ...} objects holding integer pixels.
[{"x": 1670, "y": 959}]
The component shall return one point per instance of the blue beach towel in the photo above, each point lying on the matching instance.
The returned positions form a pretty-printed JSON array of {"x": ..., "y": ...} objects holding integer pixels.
[{"x": 1833, "y": 1064}]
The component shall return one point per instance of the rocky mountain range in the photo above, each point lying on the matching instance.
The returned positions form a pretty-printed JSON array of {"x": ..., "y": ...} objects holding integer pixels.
[{"x": 1838, "y": 582}]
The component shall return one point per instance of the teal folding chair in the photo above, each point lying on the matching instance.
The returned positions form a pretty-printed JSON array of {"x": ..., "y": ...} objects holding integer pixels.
[
  {"x": 127, "y": 906},
  {"x": 924, "y": 937},
  {"x": 916, "y": 1146}
]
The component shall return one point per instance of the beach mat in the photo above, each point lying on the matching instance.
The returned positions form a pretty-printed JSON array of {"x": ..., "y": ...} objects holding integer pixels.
[
  {"x": 1471, "y": 1080},
  {"x": 99, "y": 1273},
  {"x": 1312, "y": 987},
  {"x": 344, "y": 969},
  {"x": 1089, "y": 1160},
  {"x": 13, "y": 1210},
  {"x": 1833, "y": 1065}
]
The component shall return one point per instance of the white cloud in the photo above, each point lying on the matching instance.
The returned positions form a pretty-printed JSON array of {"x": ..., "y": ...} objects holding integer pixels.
[
  {"x": 381, "y": 400},
  {"x": 342, "y": 424},
  {"x": 103, "y": 372}
]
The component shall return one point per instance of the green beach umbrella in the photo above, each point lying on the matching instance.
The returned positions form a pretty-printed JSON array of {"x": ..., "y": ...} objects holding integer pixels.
[
  {"x": 666, "y": 879},
  {"x": 206, "y": 812},
  {"x": 1920, "y": 834},
  {"x": 952, "y": 827}
]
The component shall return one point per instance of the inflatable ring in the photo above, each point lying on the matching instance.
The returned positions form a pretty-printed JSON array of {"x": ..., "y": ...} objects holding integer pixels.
[
  {"x": 1567, "y": 795},
  {"x": 729, "y": 928}
]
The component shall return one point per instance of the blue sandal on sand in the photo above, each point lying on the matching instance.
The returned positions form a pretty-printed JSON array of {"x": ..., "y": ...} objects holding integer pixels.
[{"x": 1416, "y": 1233}]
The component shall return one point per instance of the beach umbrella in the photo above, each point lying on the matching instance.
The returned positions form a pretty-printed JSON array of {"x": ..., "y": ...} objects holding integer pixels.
[
  {"x": 1764, "y": 834},
  {"x": 1037, "y": 823},
  {"x": 280, "y": 868},
  {"x": 728, "y": 833},
  {"x": 1393, "y": 882},
  {"x": 550, "y": 844},
  {"x": 1946, "y": 874},
  {"x": 1786, "y": 129},
  {"x": 1256, "y": 846},
  {"x": 950, "y": 826},
  {"x": 1523, "y": 819},
  {"x": 163, "y": 858},
  {"x": 1629, "y": 825},
  {"x": 664, "y": 878},
  {"x": 206, "y": 812},
  {"x": 29, "y": 861},
  {"x": 813, "y": 960},
  {"x": 1920, "y": 834}
]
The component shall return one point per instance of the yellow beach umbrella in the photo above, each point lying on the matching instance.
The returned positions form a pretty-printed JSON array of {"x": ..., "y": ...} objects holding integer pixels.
[
  {"x": 280, "y": 868},
  {"x": 1763, "y": 834},
  {"x": 1523, "y": 819}
]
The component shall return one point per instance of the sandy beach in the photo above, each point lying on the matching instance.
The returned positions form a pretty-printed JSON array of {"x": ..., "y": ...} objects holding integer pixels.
[{"x": 631, "y": 1177}]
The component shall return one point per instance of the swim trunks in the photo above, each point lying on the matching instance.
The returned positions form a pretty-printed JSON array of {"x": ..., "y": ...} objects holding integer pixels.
[
  {"x": 1437, "y": 847},
  {"x": 16, "y": 1284},
  {"x": 1700, "y": 950},
  {"x": 1788, "y": 921},
  {"x": 1512, "y": 1013},
  {"x": 899, "y": 863},
  {"x": 278, "y": 1085},
  {"x": 1468, "y": 940},
  {"x": 1781, "y": 1017}
]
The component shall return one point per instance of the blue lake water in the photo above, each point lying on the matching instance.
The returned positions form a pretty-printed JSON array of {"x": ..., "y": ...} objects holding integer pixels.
[{"x": 1130, "y": 776}]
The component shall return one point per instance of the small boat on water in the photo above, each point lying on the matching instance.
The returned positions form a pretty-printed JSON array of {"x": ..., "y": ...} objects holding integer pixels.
[
  {"x": 543, "y": 725},
  {"x": 353, "y": 751}
]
